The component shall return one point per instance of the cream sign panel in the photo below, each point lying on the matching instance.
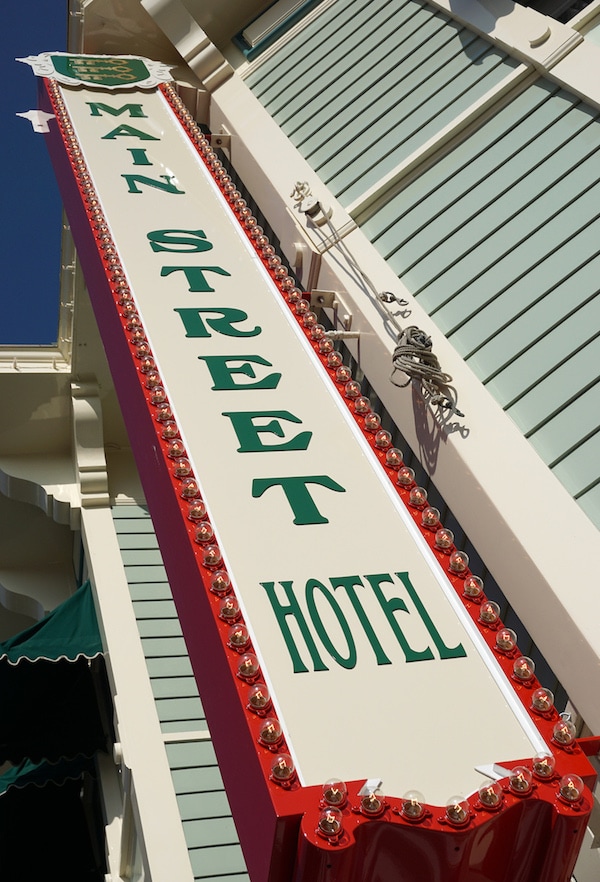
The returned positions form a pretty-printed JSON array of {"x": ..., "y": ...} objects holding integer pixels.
[{"x": 358, "y": 633}]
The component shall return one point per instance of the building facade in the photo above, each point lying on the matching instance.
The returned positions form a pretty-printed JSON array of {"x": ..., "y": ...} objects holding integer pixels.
[{"x": 415, "y": 165}]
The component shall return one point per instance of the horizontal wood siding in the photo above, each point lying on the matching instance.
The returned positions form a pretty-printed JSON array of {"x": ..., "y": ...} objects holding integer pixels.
[
  {"x": 207, "y": 823},
  {"x": 213, "y": 844},
  {"x": 500, "y": 242},
  {"x": 368, "y": 82}
]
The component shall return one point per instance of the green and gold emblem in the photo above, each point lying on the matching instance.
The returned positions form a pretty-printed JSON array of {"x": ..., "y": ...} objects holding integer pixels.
[{"x": 99, "y": 71}]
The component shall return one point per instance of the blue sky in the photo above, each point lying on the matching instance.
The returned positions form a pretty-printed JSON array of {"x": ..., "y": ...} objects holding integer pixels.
[{"x": 30, "y": 200}]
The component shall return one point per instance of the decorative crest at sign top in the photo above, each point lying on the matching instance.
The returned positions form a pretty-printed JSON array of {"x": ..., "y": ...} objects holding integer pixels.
[{"x": 100, "y": 71}]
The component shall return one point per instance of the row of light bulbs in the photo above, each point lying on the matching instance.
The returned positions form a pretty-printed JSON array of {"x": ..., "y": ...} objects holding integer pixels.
[{"x": 458, "y": 811}]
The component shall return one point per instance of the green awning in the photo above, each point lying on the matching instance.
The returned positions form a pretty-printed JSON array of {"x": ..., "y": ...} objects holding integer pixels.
[
  {"x": 68, "y": 632},
  {"x": 27, "y": 774},
  {"x": 50, "y": 678}
]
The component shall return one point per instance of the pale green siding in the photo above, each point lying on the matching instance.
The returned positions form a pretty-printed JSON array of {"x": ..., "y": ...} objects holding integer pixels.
[
  {"x": 214, "y": 849},
  {"x": 368, "y": 82},
  {"x": 499, "y": 238},
  {"x": 500, "y": 242}
]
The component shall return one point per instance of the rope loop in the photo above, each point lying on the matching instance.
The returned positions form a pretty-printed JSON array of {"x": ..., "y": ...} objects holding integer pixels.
[{"x": 413, "y": 356}]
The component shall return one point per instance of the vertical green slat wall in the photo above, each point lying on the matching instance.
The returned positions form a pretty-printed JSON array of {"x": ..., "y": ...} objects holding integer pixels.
[
  {"x": 368, "y": 82},
  {"x": 212, "y": 840}
]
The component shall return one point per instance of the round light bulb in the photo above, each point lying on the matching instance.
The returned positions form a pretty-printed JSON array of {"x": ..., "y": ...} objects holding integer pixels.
[
  {"x": 196, "y": 511},
  {"x": 373, "y": 803},
  {"x": 282, "y": 768},
  {"x": 309, "y": 320},
  {"x": 164, "y": 414},
  {"x": 417, "y": 497},
  {"x": 212, "y": 557},
  {"x": 564, "y": 732},
  {"x": 335, "y": 792},
  {"x": 444, "y": 538},
  {"x": 524, "y": 668},
  {"x": 542, "y": 700},
  {"x": 169, "y": 430},
  {"x": 372, "y": 422},
  {"x": 352, "y": 389},
  {"x": 229, "y": 609},
  {"x": 259, "y": 698},
  {"x": 158, "y": 395},
  {"x": 413, "y": 805},
  {"x": 239, "y": 636},
  {"x": 383, "y": 439},
  {"x": 147, "y": 364},
  {"x": 430, "y": 518},
  {"x": 330, "y": 822},
  {"x": 248, "y": 667},
  {"x": 571, "y": 788},
  {"x": 457, "y": 810},
  {"x": 362, "y": 405},
  {"x": 343, "y": 374},
  {"x": 142, "y": 350},
  {"x": 189, "y": 488},
  {"x": 405, "y": 477},
  {"x": 204, "y": 533},
  {"x": 458, "y": 562},
  {"x": 520, "y": 779},
  {"x": 152, "y": 380},
  {"x": 270, "y": 731},
  {"x": 489, "y": 614},
  {"x": 136, "y": 337},
  {"x": 393, "y": 458},
  {"x": 506, "y": 640},
  {"x": 220, "y": 583},
  {"x": 544, "y": 765},
  {"x": 473, "y": 586},
  {"x": 490, "y": 795},
  {"x": 182, "y": 467},
  {"x": 175, "y": 449}
]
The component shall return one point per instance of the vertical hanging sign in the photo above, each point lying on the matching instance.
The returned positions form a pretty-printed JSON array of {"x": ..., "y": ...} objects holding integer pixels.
[{"x": 351, "y": 650}]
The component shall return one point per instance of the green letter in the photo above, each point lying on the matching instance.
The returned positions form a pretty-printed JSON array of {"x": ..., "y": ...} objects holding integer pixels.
[
  {"x": 348, "y": 582},
  {"x": 311, "y": 586},
  {"x": 195, "y": 276},
  {"x": 138, "y": 154},
  {"x": 167, "y": 185},
  {"x": 194, "y": 326},
  {"x": 444, "y": 651},
  {"x": 395, "y": 604},
  {"x": 221, "y": 372},
  {"x": 293, "y": 609},
  {"x": 134, "y": 110},
  {"x": 248, "y": 433},
  {"x": 124, "y": 131},
  {"x": 192, "y": 241},
  {"x": 300, "y": 500}
]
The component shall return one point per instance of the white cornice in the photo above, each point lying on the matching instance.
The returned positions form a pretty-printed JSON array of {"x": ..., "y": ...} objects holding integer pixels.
[
  {"x": 88, "y": 443},
  {"x": 191, "y": 42}
]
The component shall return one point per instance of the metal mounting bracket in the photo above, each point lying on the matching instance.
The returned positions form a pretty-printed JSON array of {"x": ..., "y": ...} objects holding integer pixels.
[
  {"x": 332, "y": 300},
  {"x": 221, "y": 141}
]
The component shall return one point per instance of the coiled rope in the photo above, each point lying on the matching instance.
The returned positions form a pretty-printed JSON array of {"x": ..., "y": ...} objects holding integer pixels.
[{"x": 414, "y": 357}]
